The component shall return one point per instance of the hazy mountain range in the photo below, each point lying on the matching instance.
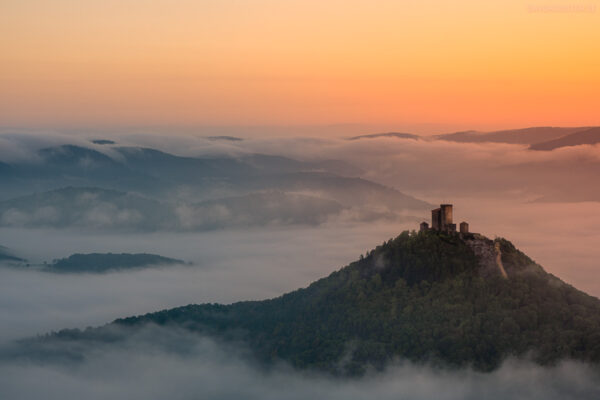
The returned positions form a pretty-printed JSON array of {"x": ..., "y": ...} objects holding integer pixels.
[
  {"x": 114, "y": 187},
  {"x": 398, "y": 135},
  {"x": 585, "y": 136},
  {"x": 528, "y": 136},
  {"x": 7, "y": 256},
  {"x": 148, "y": 170},
  {"x": 538, "y": 138},
  {"x": 255, "y": 226}
]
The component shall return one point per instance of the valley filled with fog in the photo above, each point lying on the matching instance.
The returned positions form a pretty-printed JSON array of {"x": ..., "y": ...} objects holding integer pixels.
[{"x": 253, "y": 219}]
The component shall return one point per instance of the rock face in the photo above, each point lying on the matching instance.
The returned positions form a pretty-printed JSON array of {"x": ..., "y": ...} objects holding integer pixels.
[
  {"x": 499, "y": 264},
  {"x": 488, "y": 253}
]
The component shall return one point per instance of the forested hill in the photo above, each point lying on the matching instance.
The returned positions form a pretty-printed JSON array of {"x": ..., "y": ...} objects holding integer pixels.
[
  {"x": 103, "y": 262},
  {"x": 425, "y": 297}
]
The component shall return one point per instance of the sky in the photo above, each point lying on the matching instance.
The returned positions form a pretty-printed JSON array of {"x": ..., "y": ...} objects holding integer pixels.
[{"x": 425, "y": 66}]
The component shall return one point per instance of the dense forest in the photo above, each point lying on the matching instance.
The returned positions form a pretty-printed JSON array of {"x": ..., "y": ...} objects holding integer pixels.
[{"x": 420, "y": 297}]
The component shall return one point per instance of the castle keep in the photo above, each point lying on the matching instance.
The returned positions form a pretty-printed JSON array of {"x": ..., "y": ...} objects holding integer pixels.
[{"x": 441, "y": 221}]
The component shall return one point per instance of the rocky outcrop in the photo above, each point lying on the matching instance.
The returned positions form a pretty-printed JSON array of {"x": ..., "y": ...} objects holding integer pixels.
[{"x": 489, "y": 254}]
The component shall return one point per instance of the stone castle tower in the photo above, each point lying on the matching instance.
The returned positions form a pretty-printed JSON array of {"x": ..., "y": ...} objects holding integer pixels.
[{"x": 442, "y": 220}]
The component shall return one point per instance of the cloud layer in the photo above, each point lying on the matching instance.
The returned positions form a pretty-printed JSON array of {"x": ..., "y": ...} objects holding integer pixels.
[
  {"x": 491, "y": 185},
  {"x": 157, "y": 363}
]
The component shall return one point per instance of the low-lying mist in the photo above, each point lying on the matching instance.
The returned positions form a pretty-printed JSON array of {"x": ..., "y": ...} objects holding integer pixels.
[
  {"x": 227, "y": 266},
  {"x": 546, "y": 203},
  {"x": 160, "y": 363},
  {"x": 252, "y": 264}
]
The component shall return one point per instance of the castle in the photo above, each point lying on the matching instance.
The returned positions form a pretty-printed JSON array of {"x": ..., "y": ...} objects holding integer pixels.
[{"x": 441, "y": 221}]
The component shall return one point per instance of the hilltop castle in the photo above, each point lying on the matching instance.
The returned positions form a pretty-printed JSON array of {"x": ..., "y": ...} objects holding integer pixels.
[{"x": 441, "y": 220}]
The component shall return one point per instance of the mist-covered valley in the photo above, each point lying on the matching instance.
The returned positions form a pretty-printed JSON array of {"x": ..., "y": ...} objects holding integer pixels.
[
  {"x": 158, "y": 363},
  {"x": 257, "y": 218}
]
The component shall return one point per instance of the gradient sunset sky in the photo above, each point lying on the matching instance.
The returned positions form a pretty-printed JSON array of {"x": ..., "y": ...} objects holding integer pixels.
[{"x": 404, "y": 65}]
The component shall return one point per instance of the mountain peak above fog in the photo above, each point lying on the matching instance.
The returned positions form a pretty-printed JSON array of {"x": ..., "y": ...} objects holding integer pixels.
[
  {"x": 425, "y": 297},
  {"x": 538, "y": 138},
  {"x": 580, "y": 137},
  {"x": 398, "y": 135},
  {"x": 103, "y": 141},
  {"x": 530, "y": 136}
]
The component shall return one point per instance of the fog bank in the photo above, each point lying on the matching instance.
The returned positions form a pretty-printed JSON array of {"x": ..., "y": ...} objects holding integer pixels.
[{"x": 159, "y": 364}]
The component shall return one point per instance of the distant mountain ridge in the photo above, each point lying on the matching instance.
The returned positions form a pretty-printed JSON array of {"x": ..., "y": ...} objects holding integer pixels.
[
  {"x": 528, "y": 136},
  {"x": 397, "y": 135},
  {"x": 7, "y": 256},
  {"x": 588, "y": 136},
  {"x": 538, "y": 138},
  {"x": 92, "y": 208},
  {"x": 139, "y": 188},
  {"x": 145, "y": 170},
  {"x": 426, "y": 297},
  {"x": 161, "y": 175}
]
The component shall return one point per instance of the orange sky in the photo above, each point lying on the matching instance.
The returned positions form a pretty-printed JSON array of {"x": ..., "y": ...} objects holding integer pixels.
[{"x": 451, "y": 64}]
